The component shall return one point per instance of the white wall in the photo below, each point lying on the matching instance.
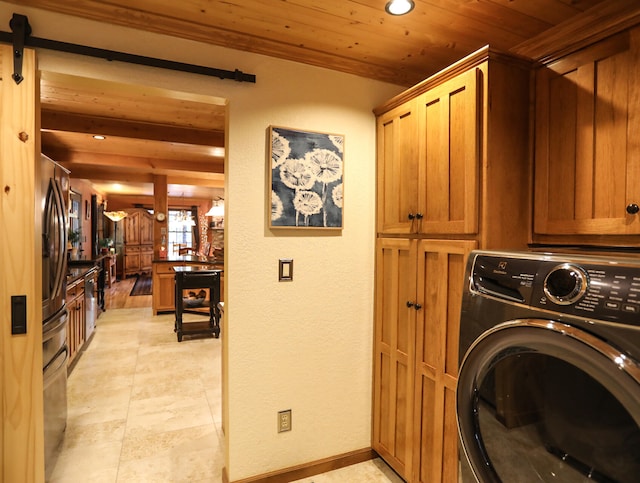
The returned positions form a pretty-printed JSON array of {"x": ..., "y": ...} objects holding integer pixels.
[{"x": 304, "y": 345}]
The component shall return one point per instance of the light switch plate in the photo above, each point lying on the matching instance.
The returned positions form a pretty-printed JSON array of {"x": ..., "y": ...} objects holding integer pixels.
[{"x": 285, "y": 270}]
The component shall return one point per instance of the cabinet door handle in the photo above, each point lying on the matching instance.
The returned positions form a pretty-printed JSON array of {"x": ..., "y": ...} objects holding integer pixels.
[
  {"x": 411, "y": 216},
  {"x": 409, "y": 304},
  {"x": 419, "y": 216},
  {"x": 417, "y": 306},
  {"x": 632, "y": 208}
]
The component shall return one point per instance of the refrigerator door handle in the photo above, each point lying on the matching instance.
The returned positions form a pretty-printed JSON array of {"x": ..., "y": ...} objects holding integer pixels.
[{"x": 61, "y": 235}]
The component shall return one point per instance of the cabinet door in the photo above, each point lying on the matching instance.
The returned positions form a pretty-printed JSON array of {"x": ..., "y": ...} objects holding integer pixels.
[
  {"x": 394, "y": 352},
  {"x": 440, "y": 282},
  {"x": 131, "y": 261},
  {"x": 146, "y": 228},
  {"x": 146, "y": 258},
  {"x": 164, "y": 285},
  {"x": 449, "y": 160},
  {"x": 397, "y": 153},
  {"x": 587, "y": 158},
  {"x": 132, "y": 228}
]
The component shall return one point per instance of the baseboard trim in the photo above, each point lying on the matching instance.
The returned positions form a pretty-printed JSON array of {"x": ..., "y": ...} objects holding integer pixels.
[{"x": 309, "y": 469}]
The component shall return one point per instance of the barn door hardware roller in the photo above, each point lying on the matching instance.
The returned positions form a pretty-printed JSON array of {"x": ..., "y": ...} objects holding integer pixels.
[
  {"x": 21, "y": 37},
  {"x": 21, "y": 30}
]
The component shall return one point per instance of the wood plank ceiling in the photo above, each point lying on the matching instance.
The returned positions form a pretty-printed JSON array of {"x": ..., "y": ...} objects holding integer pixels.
[
  {"x": 353, "y": 36},
  {"x": 148, "y": 131}
]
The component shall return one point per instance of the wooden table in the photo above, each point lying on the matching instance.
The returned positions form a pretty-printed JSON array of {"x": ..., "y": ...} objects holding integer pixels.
[{"x": 200, "y": 277}]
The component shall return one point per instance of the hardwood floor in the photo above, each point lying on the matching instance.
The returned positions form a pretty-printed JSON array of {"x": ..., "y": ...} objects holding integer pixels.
[{"x": 117, "y": 297}]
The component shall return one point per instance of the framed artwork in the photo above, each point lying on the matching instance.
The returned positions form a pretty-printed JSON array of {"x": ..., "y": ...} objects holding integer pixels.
[{"x": 306, "y": 178}]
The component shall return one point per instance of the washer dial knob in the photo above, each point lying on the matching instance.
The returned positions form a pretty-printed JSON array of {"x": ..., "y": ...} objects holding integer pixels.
[{"x": 566, "y": 284}]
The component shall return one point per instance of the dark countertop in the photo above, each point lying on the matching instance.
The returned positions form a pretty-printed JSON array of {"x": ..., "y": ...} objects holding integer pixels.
[
  {"x": 190, "y": 259},
  {"x": 75, "y": 273},
  {"x": 85, "y": 260}
]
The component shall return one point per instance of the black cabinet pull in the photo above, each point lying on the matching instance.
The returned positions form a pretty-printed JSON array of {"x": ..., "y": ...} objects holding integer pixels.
[
  {"x": 411, "y": 216},
  {"x": 632, "y": 208},
  {"x": 419, "y": 216},
  {"x": 409, "y": 304},
  {"x": 417, "y": 306}
]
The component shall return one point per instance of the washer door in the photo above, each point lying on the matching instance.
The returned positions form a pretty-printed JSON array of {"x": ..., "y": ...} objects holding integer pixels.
[{"x": 538, "y": 400}]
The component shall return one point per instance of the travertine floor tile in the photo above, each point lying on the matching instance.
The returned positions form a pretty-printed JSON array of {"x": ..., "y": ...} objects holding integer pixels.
[{"x": 145, "y": 408}]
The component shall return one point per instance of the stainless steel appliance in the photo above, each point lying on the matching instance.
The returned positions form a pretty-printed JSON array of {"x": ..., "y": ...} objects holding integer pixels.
[
  {"x": 90, "y": 302},
  {"x": 549, "y": 381},
  {"x": 55, "y": 195}
]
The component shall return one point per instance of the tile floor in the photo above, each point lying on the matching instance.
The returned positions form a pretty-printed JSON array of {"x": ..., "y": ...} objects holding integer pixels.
[{"x": 128, "y": 401}]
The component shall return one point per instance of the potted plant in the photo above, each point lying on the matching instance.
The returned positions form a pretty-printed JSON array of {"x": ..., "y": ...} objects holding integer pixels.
[
  {"x": 105, "y": 244},
  {"x": 73, "y": 237}
]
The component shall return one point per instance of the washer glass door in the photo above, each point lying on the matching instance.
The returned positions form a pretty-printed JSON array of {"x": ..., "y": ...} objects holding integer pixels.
[{"x": 542, "y": 401}]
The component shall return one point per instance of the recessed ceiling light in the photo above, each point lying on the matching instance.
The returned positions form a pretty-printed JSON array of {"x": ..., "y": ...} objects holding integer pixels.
[
  {"x": 399, "y": 7},
  {"x": 99, "y": 137}
]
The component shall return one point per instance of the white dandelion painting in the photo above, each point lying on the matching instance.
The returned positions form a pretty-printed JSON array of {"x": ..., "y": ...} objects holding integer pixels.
[{"x": 306, "y": 179}]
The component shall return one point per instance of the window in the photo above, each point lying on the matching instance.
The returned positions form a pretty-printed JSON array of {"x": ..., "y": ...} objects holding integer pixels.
[{"x": 180, "y": 233}]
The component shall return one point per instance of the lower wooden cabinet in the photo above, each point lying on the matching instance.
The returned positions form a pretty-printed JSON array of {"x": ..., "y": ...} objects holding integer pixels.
[
  {"x": 163, "y": 288},
  {"x": 419, "y": 287},
  {"x": 137, "y": 259},
  {"x": 76, "y": 327}
]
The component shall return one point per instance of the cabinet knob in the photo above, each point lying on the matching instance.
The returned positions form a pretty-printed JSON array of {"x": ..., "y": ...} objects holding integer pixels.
[
  {"x": 632, "y": 208},
  {"x": 409, "y": 304},
  {"x": 417, "y": 306},
  {"x": 419, "y": 216},
  {"x": 411, "y": 216}
]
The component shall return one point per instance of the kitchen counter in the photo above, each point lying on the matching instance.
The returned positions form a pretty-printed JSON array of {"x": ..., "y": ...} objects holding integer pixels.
[
  {"x": 75, "y": 273},
  {"x": 191, "y": 259},
  {"x": 100, "y": 263},
  {"x": 164, "y": 277}
]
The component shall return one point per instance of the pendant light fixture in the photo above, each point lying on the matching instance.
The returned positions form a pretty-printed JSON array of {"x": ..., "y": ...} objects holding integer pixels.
[
  {"x": 399, "y": 7},
  {"x": 217, "y": 208}
]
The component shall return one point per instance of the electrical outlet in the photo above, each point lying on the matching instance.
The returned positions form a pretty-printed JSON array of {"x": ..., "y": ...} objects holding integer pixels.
[{"x": 284, "y": 421}]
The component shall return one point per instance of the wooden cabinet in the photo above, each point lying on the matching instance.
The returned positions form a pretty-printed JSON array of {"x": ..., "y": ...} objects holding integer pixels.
[
  {"x": 138, "y": 242},
  {"x": 587, "y": 159},
  {"x": 440, "y": 282},
  {"x": 469, "y": 188},
  {"x": 76, "y": 327},
  {"x": 394, "y": 351},
  {"x": 132, "y": 228},
  {"x": 449, "y": 158},
  {"x": 397, "y": 148},
  {"x": 163, "y": 288},
  {"x": 418, "y": 294},
  {"x": 428, "y": 159}
]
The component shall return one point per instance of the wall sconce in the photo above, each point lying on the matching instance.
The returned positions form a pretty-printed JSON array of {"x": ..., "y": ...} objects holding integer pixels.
[{"x": 399, "y": 7}]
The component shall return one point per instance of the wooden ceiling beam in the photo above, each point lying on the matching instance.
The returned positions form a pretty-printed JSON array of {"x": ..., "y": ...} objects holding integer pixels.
[
  {"x": 79, "y": 123},
  {"x": 75, "y": 159}
]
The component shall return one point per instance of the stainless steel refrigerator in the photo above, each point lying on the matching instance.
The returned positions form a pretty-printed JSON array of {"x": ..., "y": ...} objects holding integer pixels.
[{"x": 55, "y": 196}]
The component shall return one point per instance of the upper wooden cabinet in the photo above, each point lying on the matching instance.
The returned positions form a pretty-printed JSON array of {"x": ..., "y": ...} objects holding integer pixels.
[
  {"x": 587, "y": 155},
  {"x": 449, "y": 157},
  {"x": 397, "y": 138},
  {"x": 453, "y": 152},
  {"x": 427, "y": 161}
]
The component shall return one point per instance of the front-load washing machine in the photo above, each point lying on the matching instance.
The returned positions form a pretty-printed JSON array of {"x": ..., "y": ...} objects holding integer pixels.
[{"x": 549, "y": 379}]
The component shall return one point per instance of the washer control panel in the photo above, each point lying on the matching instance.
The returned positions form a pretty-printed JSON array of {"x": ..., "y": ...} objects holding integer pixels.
[{"x": 585, "y": 286}]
